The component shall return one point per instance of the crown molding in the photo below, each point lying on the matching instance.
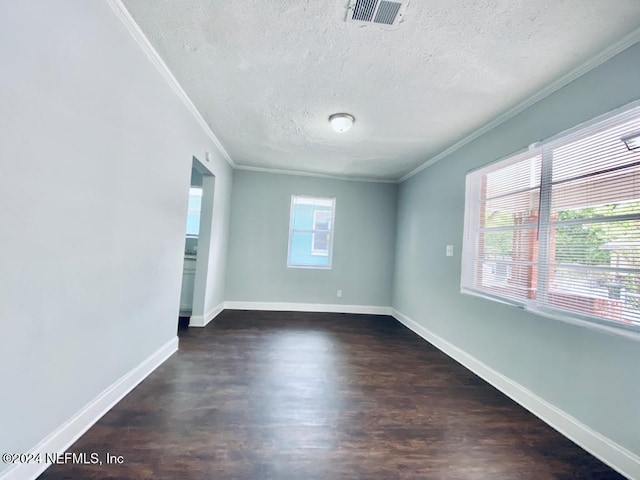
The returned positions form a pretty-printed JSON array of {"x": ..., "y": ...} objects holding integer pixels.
[
  {"x": 125, "y": 17},
  {"x": 608, "y": 53},
  {"x": 135, "y": 31},
  {"x": 318, "y": 175}
]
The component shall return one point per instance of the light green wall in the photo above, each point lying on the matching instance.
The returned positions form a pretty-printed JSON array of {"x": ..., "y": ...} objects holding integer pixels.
[
  {"x": 95, "y": 163},
  {"x": 363, "y": 248},
  {"x": 592, "y": 376}
]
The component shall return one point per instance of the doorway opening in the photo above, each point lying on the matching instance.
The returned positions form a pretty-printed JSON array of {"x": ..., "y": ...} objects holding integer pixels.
[{"x": 197, "y": 244}]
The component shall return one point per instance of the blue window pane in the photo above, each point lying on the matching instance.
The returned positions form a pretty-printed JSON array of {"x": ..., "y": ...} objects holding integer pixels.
[
  {"x": 303, "y": 217},
  {"x": 193, "y": 215},
  {"x": 300, "y": 252},
  {"x": 310, "y": 232}
]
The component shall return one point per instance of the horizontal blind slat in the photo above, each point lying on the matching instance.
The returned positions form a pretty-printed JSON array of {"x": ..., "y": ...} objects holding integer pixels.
[{"x": 591, "y": 228}]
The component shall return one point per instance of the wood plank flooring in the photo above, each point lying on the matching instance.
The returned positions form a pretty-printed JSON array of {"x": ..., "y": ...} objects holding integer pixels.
[{"x": 311, "y": 396}]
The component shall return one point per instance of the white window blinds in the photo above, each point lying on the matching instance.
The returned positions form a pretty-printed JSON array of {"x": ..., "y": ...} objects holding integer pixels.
[{"x": 557, "y": 228}]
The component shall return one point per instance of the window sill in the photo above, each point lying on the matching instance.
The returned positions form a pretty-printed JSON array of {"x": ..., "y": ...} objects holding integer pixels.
[
  {"x": 631, "y": 332},
  {"x": 312, "y": 267}
]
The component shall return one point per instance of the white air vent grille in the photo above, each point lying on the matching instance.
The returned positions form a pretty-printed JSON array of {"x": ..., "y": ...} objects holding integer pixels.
[
  {"x": 381, "y": 12},
  {"x": 387, "y": 12}
]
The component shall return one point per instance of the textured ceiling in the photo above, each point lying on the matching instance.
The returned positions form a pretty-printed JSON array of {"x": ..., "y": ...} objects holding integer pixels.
[{"x": 267, "y": 75}]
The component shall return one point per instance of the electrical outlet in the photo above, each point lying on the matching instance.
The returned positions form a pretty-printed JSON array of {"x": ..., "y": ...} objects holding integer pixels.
[
  {"x": 449, "y": 250},
  {"x": 339, "y": 293}
]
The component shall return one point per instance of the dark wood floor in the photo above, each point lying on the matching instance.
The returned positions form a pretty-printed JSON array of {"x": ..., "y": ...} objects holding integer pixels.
[{"x": 268, "y": 395}]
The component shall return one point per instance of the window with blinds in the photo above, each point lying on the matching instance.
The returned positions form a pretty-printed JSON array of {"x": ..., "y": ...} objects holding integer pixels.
[{"x": 557, "y": 229}]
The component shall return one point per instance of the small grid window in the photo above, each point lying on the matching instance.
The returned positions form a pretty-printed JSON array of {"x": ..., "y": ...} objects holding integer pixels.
[{"x": 311, "y": 232}]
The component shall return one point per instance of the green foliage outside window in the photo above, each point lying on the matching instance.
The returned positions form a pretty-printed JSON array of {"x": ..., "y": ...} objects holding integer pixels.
[{"x": 583, "y": 243}]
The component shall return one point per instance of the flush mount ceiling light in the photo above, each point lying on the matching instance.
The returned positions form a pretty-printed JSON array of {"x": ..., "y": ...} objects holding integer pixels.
[
  {"x": 341, "y": 122},
  {"x": 632, "y": 141}
]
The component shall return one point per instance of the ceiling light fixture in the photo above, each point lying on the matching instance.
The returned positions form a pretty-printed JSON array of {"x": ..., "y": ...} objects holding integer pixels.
[
  {"x": 341, "y": 122},
  {"x": 632, "y": 141}
]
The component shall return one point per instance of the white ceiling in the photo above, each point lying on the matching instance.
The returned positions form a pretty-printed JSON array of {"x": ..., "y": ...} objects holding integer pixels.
[{"x": 267, "y": 75}]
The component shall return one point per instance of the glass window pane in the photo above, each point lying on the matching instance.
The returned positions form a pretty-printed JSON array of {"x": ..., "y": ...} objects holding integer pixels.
[
  {"x": 516, "y": 245},
  {"x": 600, "y": 151},
  {"x": 507, "y": 279},
  {"x": 193, "y": 213},
  {"x": 310, "y": 232},
  {"x": 301, "y": 253},
  {"x": 321, "y": 219},
  {"x": 514, "y": 209},
  {"x": 588, "y": 263},
  {"x": 595, "y": 292},
  {"x": 613, "y": 244},
  {"x": 610, "y": 194},
  {"x": 507, "y": 262},
  {"x": 521, "y": 175}
]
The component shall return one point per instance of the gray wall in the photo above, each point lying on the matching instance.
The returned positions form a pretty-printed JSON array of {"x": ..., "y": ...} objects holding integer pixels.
[
  {"x": 362, "y": 250},
  {"x": 95, "y": 164},
  {"x": 592, "y": 376}
]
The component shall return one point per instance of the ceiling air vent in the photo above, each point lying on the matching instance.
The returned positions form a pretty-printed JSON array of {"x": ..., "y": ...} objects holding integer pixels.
[{"x": 381, "y": 12}]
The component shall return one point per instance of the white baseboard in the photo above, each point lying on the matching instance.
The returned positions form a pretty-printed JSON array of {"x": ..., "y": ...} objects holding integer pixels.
[
  {"x": 308, "y": 307},
  {"x": 62, "y": 438},
  {"x": 203, "y": 320},
  {"x": 614, "y": 455}
]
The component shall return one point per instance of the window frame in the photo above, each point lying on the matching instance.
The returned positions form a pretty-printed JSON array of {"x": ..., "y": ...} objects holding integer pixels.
[
  {"x": 472, "y": 215},
  {"x": 320, "y": 252},
  {"x": 313, "y": 231}
]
